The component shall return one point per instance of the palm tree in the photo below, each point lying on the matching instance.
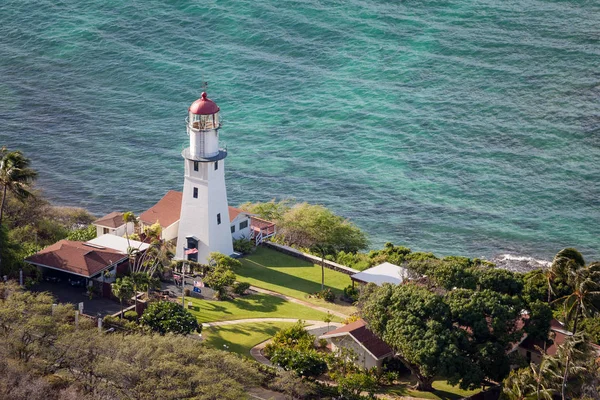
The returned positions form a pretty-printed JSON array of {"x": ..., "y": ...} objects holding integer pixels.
[
  {"x": 519, "y": 385},
  {"x": 15, "y": 175},
  {"x": 545, "y": 376},
  {"x": 122, "y": 289},
  {"x": 585, "y": 283}
]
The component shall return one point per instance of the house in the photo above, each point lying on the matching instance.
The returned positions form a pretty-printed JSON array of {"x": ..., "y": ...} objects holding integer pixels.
[
  {"x": 113, "y": 224},
  {"x": 80, "y": 263},
  {"x": 370, "y": 351},
  {"x": 85, "y": 263},
  {"x": 529, "y": 348},
  {"x": 382, "y": 273},
  {"x": 168, "y": 209},
  {"x": 166, "y": 212}
]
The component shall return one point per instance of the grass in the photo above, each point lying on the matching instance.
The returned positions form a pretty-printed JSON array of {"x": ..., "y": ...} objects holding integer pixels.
[
  {"x": 281, "y": 273},
  {"x": 442, "y": 391},
  {"x": 240, "y": 338},
  {"x": 251, "y": 306}
]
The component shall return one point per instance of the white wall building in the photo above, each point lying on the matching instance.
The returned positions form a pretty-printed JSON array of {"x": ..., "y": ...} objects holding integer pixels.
[
  {"x": 112, "y": 224},
  {"x": 203, "y": 223}
]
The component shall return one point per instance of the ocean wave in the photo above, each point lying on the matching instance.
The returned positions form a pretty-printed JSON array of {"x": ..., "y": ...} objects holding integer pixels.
[{"x": 518, "y": 263}]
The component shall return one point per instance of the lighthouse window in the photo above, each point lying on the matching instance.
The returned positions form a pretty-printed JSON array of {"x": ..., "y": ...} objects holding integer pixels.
[
  {"x": 218, "y": 219},
  {"x": 232, "y": 228},
  {"x": 216, "y": 165},
  {"x": 195, "y": 193},
  {"x": 195, "y": 165}
]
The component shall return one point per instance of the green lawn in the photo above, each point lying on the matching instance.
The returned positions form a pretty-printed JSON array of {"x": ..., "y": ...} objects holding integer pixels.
[
  {"x": 442, "y": 391},
  {"x": 276, "y": 271},
  {"x": 240, "y": 338},
  {"x": 252, "y": 306}
]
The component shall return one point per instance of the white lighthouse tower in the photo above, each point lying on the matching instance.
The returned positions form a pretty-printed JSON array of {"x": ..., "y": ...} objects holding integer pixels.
[{"x": 204, "y": 222}]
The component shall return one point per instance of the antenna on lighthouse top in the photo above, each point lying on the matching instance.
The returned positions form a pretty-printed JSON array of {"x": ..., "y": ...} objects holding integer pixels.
[{"x": 204, "y": 86}]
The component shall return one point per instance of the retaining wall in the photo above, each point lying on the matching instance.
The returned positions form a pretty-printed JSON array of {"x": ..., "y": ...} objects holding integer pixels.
[{"x": 310, "y": 258}]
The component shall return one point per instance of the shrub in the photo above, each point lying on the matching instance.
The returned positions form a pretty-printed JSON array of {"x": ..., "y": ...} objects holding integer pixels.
[
  {"x": 244, "y": 246},
  {"x": 219, "y": 278},
  {"x": 351, "y": 293},
  {"x": 83, "y": 234},
  {"x": 165, "y": 316},
  {"x": 322, "y": 343},
  {"x": 326, "y": 295},
  {"x": 130, "y": 315},
  {"x": 295, "y": 337},
  {"x": 351, "y": 319},
  {"x": 241, "y": 287},
  {"x": 186, "y": 292},
  {"x": 352, "y": 385},
  {"x": 304, "y": 363}
]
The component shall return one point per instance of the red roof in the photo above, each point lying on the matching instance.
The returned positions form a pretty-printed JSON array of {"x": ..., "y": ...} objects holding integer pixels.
[
  {"x": 168, "y": 210},
  {"x": 112, "y": 220},
  {"x": 76, "y": 257},
  {"x": 204, "y": 106},
  {"x": 367, "y": 339}
]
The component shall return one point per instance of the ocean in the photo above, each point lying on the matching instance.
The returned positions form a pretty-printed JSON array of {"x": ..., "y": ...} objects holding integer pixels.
[{"x": 456, "y": 127}]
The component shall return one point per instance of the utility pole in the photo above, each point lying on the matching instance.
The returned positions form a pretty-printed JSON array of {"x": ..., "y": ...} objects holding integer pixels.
[{"x": 183, "y": 284}]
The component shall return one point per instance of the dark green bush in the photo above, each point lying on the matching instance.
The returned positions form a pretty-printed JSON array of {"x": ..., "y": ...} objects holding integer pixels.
[
  {"x": 130, "y": 315},
  {"x": 351, "y": 293},
  {"x": 304, "y": 363},
  {"x": 240, "y": 288},
  {"x": 244, "y": 246},
  {"x": 326, "y": 295}
]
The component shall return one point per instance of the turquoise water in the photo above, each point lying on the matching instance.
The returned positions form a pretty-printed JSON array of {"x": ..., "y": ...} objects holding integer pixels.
[{"x": 458, "y": 127}]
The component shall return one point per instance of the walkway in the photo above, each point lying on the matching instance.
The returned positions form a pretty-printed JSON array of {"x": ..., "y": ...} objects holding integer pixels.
[{"x": 297, "y": 301}]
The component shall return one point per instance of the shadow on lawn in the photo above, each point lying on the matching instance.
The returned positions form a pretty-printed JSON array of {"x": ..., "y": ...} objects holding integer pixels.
[
  {"x": 273, "y": 258},
  {"x": 259, "y": 303},
  {"x": 215, "y": 338},
  {"x": 264, "y": 274}
]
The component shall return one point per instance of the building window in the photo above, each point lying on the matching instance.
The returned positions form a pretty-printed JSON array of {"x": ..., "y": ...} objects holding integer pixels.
[
  {"x": 218, "y": 219},
  {"x": 106, "y": 231},
  {"x": 232, "y": 228},
  {"x": 195, "y": 193},
  {"x": 195, "y": 165},
  {"x": 243, "y": 225},
  {"x": 216, "y": 165}
]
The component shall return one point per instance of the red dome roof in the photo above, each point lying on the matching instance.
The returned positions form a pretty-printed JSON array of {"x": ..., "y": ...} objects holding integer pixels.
[{"x": 204, "y": 106}]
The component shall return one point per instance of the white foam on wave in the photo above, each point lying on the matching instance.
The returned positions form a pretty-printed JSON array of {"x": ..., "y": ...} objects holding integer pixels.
[{"x": 518, "y": 263}]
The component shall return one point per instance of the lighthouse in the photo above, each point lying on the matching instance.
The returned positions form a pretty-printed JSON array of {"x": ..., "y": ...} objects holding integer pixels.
[{"x": 204, "y": 219}]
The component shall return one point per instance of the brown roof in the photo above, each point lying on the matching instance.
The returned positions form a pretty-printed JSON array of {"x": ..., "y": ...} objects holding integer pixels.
[
  {"x": 367, "y": 339},
  {"x": 558, "y": 335},
  {"x": 168, "y": 210},
  {"x": 76, "y": 257},
  {"x": 112, "y": 220}
]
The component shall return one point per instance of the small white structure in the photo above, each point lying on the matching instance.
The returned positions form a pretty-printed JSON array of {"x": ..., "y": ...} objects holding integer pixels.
[
  {"x": 204, "y": 209},
  {"x": 118, "y": 243},
  {"x": 113, "y": 224},
  {"x": 380, "y": 274},
  {"x": 239, "y": 223}
]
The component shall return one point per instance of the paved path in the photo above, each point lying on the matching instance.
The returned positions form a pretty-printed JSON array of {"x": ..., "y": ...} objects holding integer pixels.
[{"x": 297, "y": 301}]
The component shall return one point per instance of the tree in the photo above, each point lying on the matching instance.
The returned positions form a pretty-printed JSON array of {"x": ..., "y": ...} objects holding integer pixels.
[
  {"x": 518, "y": 385},
  {"x": 320, "y": 230},
  {"x": 486, "y": 322},
  {"x": 585, "y": 282},
  {"x": 165, "y": 316},
  {"x": 417, "y": 324},
  {"x": 122, "y": 289},
  {"x": 271, "y": 211},
  {"x": 83, "y": 234},
  {"x": 218, "y": 278},
  {"x": 216, "y": 259},
  {"x": 15, "y": 176}
]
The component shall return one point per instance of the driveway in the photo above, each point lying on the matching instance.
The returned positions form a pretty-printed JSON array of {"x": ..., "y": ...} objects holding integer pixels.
[{"x": 66, "y": 293}]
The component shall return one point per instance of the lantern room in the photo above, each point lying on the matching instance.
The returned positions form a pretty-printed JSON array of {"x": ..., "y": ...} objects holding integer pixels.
[{"x": 203, "y": 114}]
